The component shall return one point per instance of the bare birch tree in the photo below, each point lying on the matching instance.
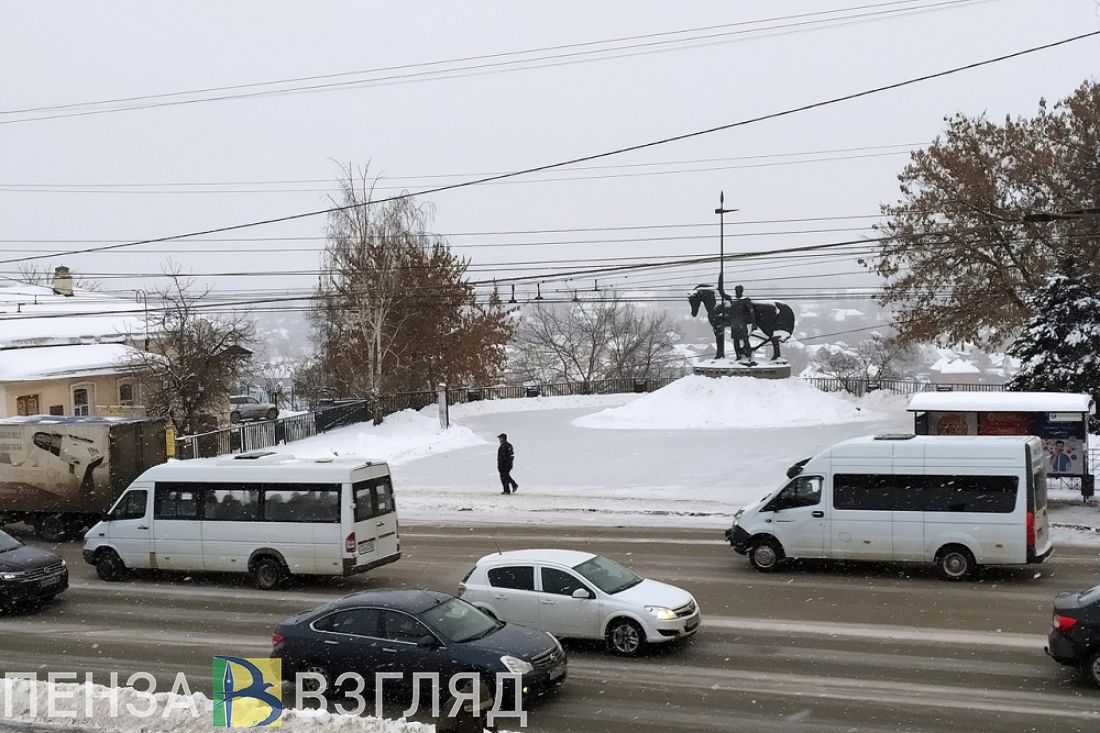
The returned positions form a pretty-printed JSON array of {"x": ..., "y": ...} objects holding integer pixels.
[{"x": 193, "y": 358}]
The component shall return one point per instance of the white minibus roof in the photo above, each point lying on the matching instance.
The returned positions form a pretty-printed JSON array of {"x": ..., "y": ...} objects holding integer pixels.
[
  {"x": 1001, "y": 402},
  {"x": 266, "y": 467}
]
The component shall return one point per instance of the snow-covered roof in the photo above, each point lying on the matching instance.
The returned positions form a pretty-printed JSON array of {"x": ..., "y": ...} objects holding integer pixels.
[
  {"x": 571, "y": 558},
  {"x": 55, "y": 362},
  {"x": 1000, "y": 402},
  {"x": 959, "y": 366},
  {"x": 32, "y": 315}
]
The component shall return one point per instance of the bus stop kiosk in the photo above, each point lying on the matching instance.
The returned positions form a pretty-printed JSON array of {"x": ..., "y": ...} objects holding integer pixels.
[{"x": 1059, "y": 419}]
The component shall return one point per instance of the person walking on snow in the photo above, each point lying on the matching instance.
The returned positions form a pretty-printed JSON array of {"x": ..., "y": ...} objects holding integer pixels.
[{"x": 506, "y": 457}]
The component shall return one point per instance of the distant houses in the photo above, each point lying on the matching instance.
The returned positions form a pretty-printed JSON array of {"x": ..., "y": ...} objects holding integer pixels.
[{"x": 64, "y": 351}]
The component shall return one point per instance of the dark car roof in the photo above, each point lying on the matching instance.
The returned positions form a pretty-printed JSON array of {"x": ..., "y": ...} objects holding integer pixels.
[{"x": 409, "y": 600}]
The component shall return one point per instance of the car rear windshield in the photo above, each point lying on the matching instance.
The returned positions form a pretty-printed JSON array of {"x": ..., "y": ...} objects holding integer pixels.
[
  {"x": 7, "y": 542},
  {"x": 607, "y": 575},
  {"x": 1092, "y": 595},
  {"x": 458, "y": 621}
]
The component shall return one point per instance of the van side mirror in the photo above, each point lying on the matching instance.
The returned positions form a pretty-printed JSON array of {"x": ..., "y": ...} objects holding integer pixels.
[{"x": 582, "y": 594}]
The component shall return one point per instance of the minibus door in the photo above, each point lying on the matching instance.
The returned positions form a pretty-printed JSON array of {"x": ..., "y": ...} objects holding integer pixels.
[
  {"x": 128, "y": 527},
  {"x": 375, "y": 520},
  {"x": 799, "y": 519}
]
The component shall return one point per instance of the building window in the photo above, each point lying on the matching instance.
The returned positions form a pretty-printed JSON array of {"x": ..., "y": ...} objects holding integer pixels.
[
  {"x": 81, "y": 402},
  {"x": 26, "y": 405},
  {"x": 126, "y": 394}
]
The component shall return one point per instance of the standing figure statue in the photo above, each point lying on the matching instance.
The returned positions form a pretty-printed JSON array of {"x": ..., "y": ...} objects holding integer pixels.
[
  {"x": 772, "y": 322},
  {"x": 742, "y": 323}
]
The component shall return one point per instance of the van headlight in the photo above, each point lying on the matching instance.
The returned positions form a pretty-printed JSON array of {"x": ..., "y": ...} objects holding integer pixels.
[
  {"x": 738, "y": 514},
  {"x": 661, "y": 613},
  {"x": 515, "y": 665}
]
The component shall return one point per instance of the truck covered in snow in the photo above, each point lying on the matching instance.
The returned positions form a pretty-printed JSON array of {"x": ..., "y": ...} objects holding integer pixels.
[{"x": 59, "y": 474}]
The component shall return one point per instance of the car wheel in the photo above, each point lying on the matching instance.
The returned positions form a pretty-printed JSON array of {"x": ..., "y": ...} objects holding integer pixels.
[
  {"x": 311, "y": 685},
  {"x": 625, "y": 637},
  {"x": 234, "y": 417},
  {"x": 109, "y": 566},
  {"x": 272, "y": 414},
  {"x": 765, "y": 555},
  {"x": 1092, "y": 668},
  {"x": 52, "y": 528},
  {"x": 955, "y": 562},
  {"x": 268, "y": 573}
]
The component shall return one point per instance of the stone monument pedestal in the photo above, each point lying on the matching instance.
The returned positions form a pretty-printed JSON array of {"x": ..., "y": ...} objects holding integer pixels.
[{"x": 732, "y": 368}]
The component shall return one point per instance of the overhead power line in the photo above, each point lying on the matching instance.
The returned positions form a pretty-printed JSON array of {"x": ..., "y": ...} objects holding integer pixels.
[
  {"x": 491, "y": 63},
  {"x": 597, "y": 156}
]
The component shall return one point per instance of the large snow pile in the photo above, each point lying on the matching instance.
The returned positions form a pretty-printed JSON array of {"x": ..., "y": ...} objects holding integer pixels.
[
  {"x": 531, "y": 404},
  {"x": 708, "y": 403},
  {"x": 402, "y": 437},
  {"x": 29, "y": 702}
]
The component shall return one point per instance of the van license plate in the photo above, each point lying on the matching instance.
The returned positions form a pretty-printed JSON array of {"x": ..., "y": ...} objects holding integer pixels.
[{"x": 366, "y": 547}]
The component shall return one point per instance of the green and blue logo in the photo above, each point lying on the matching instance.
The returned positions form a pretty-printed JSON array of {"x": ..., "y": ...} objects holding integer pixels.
[{"x": 248, "y": 693}]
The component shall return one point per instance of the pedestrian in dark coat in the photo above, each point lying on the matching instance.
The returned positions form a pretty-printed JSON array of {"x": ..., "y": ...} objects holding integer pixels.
[{"x": 506, "y": 458}]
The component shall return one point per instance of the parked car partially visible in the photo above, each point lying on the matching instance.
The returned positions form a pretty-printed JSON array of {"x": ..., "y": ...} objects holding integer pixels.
[
  {"x": 1074, "y": 638},
  {"x": 246, "y": 407},
  {"x": 580, "y": 595},
  {"x": 29, "y": 574}
]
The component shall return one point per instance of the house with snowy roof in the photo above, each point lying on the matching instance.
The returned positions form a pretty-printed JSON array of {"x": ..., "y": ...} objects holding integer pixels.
[{"x": 64, "y": 350}]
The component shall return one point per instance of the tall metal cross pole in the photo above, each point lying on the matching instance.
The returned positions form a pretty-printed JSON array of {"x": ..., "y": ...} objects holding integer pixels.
[{"x": 722, "y": 211}]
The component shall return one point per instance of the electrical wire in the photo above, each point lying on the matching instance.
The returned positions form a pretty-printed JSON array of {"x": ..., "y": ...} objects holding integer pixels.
[{"x": 597, "y": 156}]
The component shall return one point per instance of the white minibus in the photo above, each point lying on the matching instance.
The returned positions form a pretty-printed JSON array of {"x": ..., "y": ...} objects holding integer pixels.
[
  {"x": 266, "y": 514},
  {"x": 958, "y": 502}
]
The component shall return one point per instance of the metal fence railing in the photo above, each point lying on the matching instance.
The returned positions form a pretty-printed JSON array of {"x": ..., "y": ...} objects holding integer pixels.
[{"x": 339, "y": 413}]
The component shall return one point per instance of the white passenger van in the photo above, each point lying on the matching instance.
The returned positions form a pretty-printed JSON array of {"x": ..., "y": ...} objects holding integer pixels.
[
  {"x": 960, "y": 502},
  {"x": 265, "y": 514}
]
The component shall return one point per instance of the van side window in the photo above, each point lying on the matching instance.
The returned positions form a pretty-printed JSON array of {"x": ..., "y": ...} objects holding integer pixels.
[
  {"x": 803, "y": 491},
  {"x": 132, "y": 505},
  {"x": 175, "y": 501},
  {"x": 912, "y": 493},
  {"x": 517, "y": 577},
  {"x": 231, "y": 505},
  {"x": 301, "y": 503}
]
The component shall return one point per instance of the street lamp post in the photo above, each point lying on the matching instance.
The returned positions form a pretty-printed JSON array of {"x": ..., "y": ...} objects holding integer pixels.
[
  {"x": 722, "y": 211},
  {"x": 144, "y": 296}
]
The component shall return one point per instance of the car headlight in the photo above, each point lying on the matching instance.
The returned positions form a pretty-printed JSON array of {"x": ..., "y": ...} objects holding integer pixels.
[
  {"x": 661, "y": 613},
  {"x": 11, "y": 576},
  {"x": 515, "y": 665},
  {"x": 64, "y": 564}
]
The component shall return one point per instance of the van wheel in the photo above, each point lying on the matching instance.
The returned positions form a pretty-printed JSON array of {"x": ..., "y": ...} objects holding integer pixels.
[
  {"x": 109, "y": 566},
  {"x": 765, "y": 555},
  {"x": 1092, "y": 668},
  {"x": 956, "y": 563},
  {"x": 625, "y": 637},
  {"x": 268, "y": 573}
]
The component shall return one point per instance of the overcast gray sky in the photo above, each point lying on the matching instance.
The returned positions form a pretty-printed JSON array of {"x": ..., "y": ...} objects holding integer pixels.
[{"x": 55, "y": 53}]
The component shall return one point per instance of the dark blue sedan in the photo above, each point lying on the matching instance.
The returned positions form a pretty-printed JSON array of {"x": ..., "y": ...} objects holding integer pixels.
[
  {"x": 29, "y": 574},
  {"x": 406, "y": 631}
]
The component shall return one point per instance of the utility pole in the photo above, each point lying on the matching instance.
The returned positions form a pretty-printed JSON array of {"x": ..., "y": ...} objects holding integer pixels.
[{"x": 722, "y": 211}]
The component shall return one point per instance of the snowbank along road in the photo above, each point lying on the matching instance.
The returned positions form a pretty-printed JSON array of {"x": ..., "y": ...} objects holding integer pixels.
[{"x": 816, "y": 647}]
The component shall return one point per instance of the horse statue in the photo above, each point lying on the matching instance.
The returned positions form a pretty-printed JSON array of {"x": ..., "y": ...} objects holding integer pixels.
[{"x": 772, "y": 322}]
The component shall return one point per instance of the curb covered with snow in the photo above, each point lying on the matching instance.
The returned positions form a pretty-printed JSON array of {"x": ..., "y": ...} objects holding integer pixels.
[{"x": 724, "y": 403}]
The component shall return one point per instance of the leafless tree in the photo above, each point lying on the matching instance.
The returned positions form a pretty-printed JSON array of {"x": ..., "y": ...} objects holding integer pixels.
[
  {"x": 875, "y": 359},
  {"x": 394, "y": 310},
  {"x": 193, "y": 360},
  {"x": 586, "y": 341}
]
